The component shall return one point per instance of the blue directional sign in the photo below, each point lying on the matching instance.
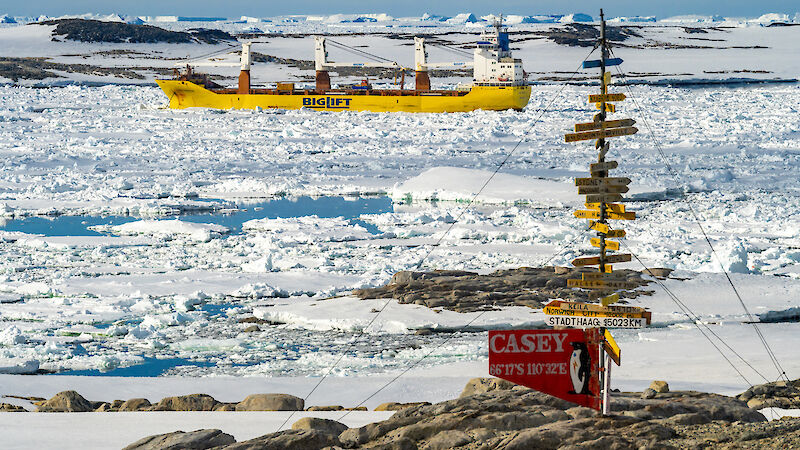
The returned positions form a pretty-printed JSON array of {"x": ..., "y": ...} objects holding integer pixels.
[{"x": 596, "y": 63}]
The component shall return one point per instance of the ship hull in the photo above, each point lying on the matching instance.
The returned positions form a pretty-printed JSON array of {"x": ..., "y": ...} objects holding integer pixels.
[{"x": 185, "y": 94}]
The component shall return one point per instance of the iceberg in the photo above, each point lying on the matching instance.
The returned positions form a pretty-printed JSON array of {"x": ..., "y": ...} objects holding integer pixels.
[
  {"x": 463, "y": 18},
  {"x": 577, "y": 17}
]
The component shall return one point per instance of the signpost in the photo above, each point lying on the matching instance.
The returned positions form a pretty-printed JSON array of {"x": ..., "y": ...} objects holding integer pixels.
[
  {"x": 562, "y": 363},
  {"x": 597, "y": 63},
  {"x": 574, "y": 362},
  {"x": 606, "y": 124},
  {"x": 595, "y": 260},
  {"x": 597, "y": 98},
  {"x": 602, "y": 133}
]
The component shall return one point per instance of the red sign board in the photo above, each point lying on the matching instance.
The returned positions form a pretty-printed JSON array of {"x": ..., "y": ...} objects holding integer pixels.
[{"x": 562, "y": 363}]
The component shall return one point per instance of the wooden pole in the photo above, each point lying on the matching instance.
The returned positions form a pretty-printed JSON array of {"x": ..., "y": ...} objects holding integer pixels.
[{"x": 601, "y": 156}]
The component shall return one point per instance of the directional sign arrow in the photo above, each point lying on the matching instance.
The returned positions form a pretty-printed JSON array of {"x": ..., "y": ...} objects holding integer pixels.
[
  {"x": 603, "y": 166},
  {"x": 601, "y": 284},
  {"x": 598, "y": 181},
  {"x": 596, "y": 63},
  {"x": 602, "y": 276},
  {"x": 594, "y": 98},
  {"x": 600, "y": 134},
  {"x": 615, "y": 207},
  {"x": 603, "y": 189},
  {"x": 595, "y": 215},
  {"x": 595, "y": 260},
  {"x": 595, "y": 306},
  {"x": 610, "y": 245},
  {"x": 550, "y": 311},
  {"x": 597, "y": 198},
  {"x": 586, "y": 126},
  {"x": 611, "y": 348}
]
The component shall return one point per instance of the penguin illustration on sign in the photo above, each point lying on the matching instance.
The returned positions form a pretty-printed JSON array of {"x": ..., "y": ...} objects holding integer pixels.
[{"x": 579, "y": 371}]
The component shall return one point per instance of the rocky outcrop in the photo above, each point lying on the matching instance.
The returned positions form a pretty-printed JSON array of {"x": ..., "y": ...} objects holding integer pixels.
[
  {"x": 780, "y": 394},
  {"x": 394, "y": 406},
  {"x": 66, "y": 401},
  {"x": 462, "y": 291},
  {"x": 192, "y": 402},
  {"x": 507, "y": 416},
  {"x": 8, "y": 407},
  {"x": 486, "y": 384},
  {"x": 288, "y": 440},
  {"x": 271, "y": 402},
  {"x": 134, "y": 404},
  {"x": 322, "y": 425},
  {"x": 660, "y": 387},
  {"x": 195, "y": 440},
  {"x": 85, "y": 30}
]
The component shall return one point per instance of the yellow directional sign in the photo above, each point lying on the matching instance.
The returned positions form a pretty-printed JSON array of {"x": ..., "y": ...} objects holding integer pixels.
[
  {"x": 597, "y": 125},
  {"x": 551, "y": 311},
  {"x": 601, "y": 284},
  {"x": 610, "y": 245},
  {"x": 583, "y": 214},
  {"x": 616, "y": 233},
  {"x": 596, "y": 98},
  {"x": 613, "y": 298},
  {"x": 599, "y": 181},
  {"x": 621, "y": 216},
  {"x": 595, "y": 260},
  {"x": 602, "y": 189},
  {"x": 596, "y": 307},
  {"x": 611, "y": 348},
  {"x": 603, "y": 166},
  {"x": 600, "y": 276},
  {"x": 600, "y": 134},
  {"x": 607, "y": 78},
  {"x": 599, "y": 227},
  {"x": 606, "y": 198},
  {"x": 616, "y": 207},
  {"x": 609, "y": 107}
]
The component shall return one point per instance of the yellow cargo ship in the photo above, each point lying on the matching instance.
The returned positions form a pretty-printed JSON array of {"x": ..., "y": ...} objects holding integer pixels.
[{"x": 498, "y": 84}]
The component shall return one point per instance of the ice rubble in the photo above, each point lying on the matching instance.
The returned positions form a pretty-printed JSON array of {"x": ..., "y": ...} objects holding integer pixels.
[{"x": 154, "y": 286}]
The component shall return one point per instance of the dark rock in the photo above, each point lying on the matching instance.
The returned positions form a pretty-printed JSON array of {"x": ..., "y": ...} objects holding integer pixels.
[
  {"x": 271, "y": 402},
  {"x": 288, "y": 440},
  {"x": 468, "y": 292},
  {"x": 661, "y": 387},
  {"x": 393, "y": 406},
  {"x": 135, "y": 404},
  {"x": 649, "y": 393},
  {"x": 448, "y": 439},
  {"x": 66, "y": 401},
  {"x": 323, "y": 425},
  {"x": 8, "y": 407},
  {"x": 84, "y": 30},
  {"x": 225, "y": 407},
  {"x": 326, "y": 408},
  {"x": 483, "y": 385},
  {"x": 195, "y": 440},
  {"x": 192, "y": 402}
]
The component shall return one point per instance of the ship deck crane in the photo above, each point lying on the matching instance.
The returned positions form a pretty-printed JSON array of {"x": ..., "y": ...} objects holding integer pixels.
[
  {"x": 421, "y": 65},
  {"x": 321, "y": 63}
]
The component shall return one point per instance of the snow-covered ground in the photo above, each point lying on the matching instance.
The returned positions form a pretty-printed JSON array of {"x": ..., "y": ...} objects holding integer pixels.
[{"x": 140, "y": 241}]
